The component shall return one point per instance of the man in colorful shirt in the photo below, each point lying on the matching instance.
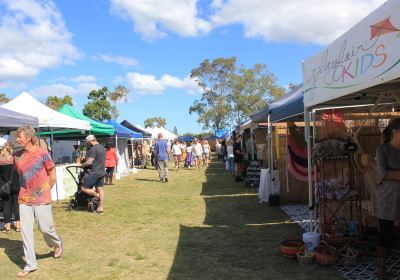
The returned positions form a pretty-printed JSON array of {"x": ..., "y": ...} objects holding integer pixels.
[{"x": 37, "y": 176}]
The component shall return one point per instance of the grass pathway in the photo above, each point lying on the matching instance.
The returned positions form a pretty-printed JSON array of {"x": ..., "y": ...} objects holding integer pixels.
[{"x": 200, "y": 225}]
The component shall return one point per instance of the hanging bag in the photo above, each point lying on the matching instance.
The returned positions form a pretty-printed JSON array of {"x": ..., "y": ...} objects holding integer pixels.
[{"x": 5, "y": 188}]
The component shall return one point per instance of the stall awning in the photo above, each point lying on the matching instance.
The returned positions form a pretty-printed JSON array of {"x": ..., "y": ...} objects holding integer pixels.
[
  {"x": 122, "y": 131},
  {"x": 366, "y": 56},
  {"x": 48, "y": 118},
  {"x": 290, "y": 107},
  {"x": 260, "y": 116},
  {"x": 134, "y": 128},
  {"x": 12, "y": 120},
  {"x": 96, "y": 128}
]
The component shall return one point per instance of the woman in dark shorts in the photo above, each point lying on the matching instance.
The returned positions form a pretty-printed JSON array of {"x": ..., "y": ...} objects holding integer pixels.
[
  {"x": 388, "y": 211},
  {"x": 111, "y": 163}
]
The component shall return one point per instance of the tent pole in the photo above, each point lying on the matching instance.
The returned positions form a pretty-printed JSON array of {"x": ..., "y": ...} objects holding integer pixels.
[
  {"x": 287, "y": 155},
  {"x": 252, "y": 144},
  {"x": 133, "y": 158},
  {"x": 52, "y": 156},
  {"x": 309, "y": 168},
  {"x": 116, "y": 148}
]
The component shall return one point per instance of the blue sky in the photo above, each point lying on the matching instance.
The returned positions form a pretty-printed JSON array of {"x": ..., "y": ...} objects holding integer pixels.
[{"x": 70, "y": 47}]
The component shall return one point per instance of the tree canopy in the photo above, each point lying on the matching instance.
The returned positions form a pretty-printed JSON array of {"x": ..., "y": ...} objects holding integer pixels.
[
  {"x": 214, "y": 78},
  {"x": 155, "y": 121},
  {"x": 120, "y": 94},
  {"x": 3, "y": 98},
  {"x": 231, "y": 93},
  {"x": 99, "y": 106},
  {"x": 56, "y": 103}
]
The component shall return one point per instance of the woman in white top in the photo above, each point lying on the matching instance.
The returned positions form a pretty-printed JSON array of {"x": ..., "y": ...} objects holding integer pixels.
[
  {"x": 230, "y": 157},
  {"x": 206, "y": 152},
  {"x": 177, "y": 153},
  {"x": 197, "y": 152}
]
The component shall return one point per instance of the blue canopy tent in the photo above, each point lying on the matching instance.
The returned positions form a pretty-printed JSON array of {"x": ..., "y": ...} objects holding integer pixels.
[
  {"x": 186, "y": 138},
  {"x": 260, "y": 116},
  {"x": 288, "y": 108},
  {"x": 291, "y": 106},
  {"x": 136, "y": 129},
  {"x": 124, "y": 132}
]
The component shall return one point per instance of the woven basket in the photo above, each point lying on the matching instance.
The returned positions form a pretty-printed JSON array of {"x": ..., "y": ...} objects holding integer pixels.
[
  {"x": 325, "y": 254},
  {"x": 305, "y": 257},
  {"x": 348, "y": 255}
]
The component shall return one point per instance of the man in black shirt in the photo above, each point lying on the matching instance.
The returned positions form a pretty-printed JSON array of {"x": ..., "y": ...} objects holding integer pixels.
[
  {"x": 238, "y": 154},
  {"x": 95, "y": 163}
]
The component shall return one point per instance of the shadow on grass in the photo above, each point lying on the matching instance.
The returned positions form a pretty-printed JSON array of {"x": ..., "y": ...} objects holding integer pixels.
[
  {"x": 239, "y": 238},
  {"x": 13, "y": 250},
  {"x": 147, "y": 180}
]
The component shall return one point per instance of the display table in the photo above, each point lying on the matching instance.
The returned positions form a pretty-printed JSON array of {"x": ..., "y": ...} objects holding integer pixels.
[
  {"x": 268, "y": 187},
  {"x": 65, "y": 186}
]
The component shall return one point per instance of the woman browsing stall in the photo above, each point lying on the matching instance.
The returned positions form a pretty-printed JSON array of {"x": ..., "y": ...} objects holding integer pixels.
[{"x": 388, "y": 162}]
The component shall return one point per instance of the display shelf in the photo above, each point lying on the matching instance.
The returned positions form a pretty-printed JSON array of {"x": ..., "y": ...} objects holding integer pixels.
[{"x": 336, "y": 177}]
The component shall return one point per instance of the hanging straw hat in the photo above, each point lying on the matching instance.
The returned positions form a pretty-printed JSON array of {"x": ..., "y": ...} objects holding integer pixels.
[{"x": 362, "y": 161}]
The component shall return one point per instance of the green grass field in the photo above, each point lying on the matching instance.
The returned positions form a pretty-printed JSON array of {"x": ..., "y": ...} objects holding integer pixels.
[{"x": 200, "y": 225}]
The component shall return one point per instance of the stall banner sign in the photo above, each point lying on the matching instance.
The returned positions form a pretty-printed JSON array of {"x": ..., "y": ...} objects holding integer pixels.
[
  {"x": 365, "y": 56},
  {"x": 253, "y": 173}
]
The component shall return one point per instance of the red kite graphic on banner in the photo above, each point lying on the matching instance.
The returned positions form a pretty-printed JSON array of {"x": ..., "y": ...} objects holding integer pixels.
[{"x": 382, "y": 27}]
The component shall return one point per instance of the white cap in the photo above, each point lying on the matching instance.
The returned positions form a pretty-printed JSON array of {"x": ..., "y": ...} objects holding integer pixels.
[{"x": 90, "y": 138}]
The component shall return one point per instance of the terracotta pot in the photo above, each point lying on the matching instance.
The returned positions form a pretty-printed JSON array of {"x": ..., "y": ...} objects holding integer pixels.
[{"x": 290, "y": 247}]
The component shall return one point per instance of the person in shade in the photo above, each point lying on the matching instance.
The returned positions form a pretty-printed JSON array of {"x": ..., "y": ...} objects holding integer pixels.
[
  {"x": 10, "y": 201},
  {"x": 37, "y": 176},
  {"x": 162, "y": 155},
  {"x": 95, "y": 163},
  {"x": 388, "y": 210}
]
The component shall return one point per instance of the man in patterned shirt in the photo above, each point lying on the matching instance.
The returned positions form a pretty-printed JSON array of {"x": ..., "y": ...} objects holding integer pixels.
[{"x": 37, "y": 176}]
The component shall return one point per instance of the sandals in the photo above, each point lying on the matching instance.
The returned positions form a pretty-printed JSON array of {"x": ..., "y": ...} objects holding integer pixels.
[
  {"x": 6, "y": 231},
  {"x": 58, "y": 252},
  {"x": 24, "y": 273}
]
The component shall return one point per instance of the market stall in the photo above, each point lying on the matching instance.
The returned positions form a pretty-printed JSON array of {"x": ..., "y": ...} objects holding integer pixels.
[
  {"x": 47, "y": 117},
  {"x": 351, "y": 85},
  {"x": 122, "y": 136},
  {"x": 11, "y": 120}
]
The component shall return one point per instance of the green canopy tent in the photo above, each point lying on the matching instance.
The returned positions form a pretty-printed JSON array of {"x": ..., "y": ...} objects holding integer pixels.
[{"x": 96, "y": 128}]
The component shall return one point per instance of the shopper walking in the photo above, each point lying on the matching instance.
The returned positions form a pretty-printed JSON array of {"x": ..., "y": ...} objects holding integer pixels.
[
  {"x": 111, "y": 163},
  {"x": 197, "y": 151},
  {"x": 162, "y": 155},
  {"x": 206, "y": 152},
  {"x": 189, "y": 155},
  {"x": 238, "y": 153},
  {"x": 388, "y": 211},
  {"x": 177, "y": 152},
  {"x": 95, "y": 164},
  {"x": 230, "y": 157},
  {"x": 10, "y": 200},
  {"x": 37, "y": 174}
]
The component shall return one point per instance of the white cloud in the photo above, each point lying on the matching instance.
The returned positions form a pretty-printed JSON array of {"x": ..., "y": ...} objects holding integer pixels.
[
  {"x": 85, "y": 88},
  {"x": 84, "y": 79},
  {"x": 121, "y": 60},
  {"x": 307, "y": 21},
  {"x": 33, "y": 37},
  {"x": 59, "y": 90},
  {"x": 148, "y": 84},
  {"x": 153, "y": 18}
]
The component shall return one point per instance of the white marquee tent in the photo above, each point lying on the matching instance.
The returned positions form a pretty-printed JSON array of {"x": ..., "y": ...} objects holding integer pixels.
[
  {"x": 166, "y": 133},
  {"x": 48, "y": 118}
]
